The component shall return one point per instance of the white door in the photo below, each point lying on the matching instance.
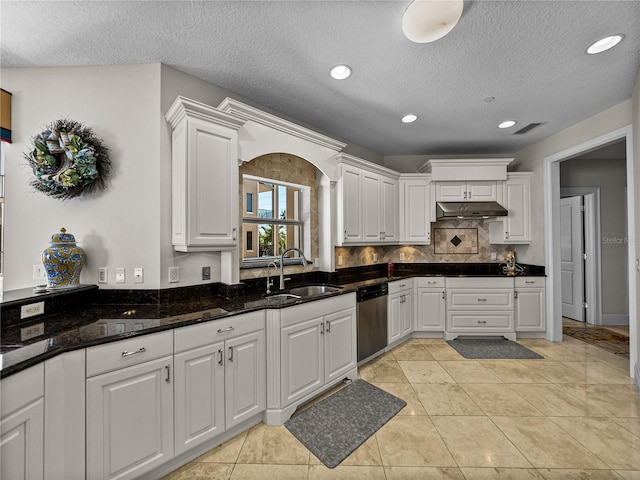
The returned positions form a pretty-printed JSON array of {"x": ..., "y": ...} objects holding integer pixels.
[
  {"x": 245, "y": 377},
  {"x": 407, "y": 312},
  {"x": 571, "y": 255},
  {"x": 22, "y": 443},
  {"x": 198, "y": 396},
  {"x": 431, "y": 309}
]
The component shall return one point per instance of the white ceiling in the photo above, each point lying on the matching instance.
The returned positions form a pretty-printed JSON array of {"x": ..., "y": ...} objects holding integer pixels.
[{"x": 529, "y": 55}]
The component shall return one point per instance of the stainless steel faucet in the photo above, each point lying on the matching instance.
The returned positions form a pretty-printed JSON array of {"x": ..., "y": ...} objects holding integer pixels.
[
  {"x": 302, "y": 260},
  {"x": 269, "y": 281}
]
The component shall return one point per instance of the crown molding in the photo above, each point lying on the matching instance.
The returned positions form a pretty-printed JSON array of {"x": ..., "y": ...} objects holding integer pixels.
[{"x": 184, "y": 107}]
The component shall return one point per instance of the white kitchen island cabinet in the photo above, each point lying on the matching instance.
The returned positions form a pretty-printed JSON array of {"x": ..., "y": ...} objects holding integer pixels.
[
  {"x": 204, "y": 176},
  {"x": 312, "y": 346},
  {"x": 22, "y": 425}
]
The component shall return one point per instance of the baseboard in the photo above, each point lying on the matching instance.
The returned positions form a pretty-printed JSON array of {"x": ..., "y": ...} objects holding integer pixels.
[
  {"x": 636, "y": 377},
  {"x": 615, "y": 319}
]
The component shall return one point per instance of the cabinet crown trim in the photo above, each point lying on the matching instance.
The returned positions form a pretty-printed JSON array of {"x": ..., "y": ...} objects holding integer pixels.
[
  {"x": 466, "y": 169},
  {"x": 249, "y": 113},
  {"x": 367, "y": 165},
  {"x": 184, "y": 107}
]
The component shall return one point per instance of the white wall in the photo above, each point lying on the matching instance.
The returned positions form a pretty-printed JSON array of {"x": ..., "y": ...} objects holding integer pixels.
[
  {"x": 117, "y": 227},
  {"x": 635, "y": 99},
  {"x": 531, "y": 159}
]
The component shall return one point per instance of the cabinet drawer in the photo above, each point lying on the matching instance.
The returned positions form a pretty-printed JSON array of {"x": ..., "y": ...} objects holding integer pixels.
[
  {"x": 529, "y": 282},
  {"x": 316, "y": 309},
  {"x": 125, "y": 353},
  {"x": 480, "y": 321},
  {"x": 400, "y": 285},
  {"x": 430, "y": 282},
  {"x": 195, "y": 336},
  {"x": 480, "y": 299}
]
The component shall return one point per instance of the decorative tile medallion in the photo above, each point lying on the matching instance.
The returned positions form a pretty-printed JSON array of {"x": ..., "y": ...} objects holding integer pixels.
[{"x": 455, "y": 240}]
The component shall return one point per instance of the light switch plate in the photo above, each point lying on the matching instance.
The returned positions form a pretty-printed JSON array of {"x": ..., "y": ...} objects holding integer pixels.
[{"x": 120, "y": 278}]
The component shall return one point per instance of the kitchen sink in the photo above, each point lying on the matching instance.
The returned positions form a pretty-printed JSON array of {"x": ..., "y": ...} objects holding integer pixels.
[{"x": 313, "y": 290}]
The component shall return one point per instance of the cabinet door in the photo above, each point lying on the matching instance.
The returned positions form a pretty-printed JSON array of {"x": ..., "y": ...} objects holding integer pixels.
[
  {"x": 431, "y": 310},
  {"x": 518, "y": 202},
  {"x": 302, "y": 364},
  {"x": 451, "y": 191},
  {"x": 407, "y": 313},
  {"x": 340, "y": 344},
  {"x": 352, "y": 204},
  {"x": 416, "y": 214},
  {"x": 213, "y": 176},
  {"x": 22, "y": 442},
  {"x": 530, "y": 310},
  {"x": 395, "y": 317},
  {"x": 389, "y": 209},
  {"x": 371, "y": 186},
  {"x": 130, "y": 420},
  {"x": 482, "y": 191},
  {"x": 245, "y": 377},
  {"x": 198, "y": 396}
]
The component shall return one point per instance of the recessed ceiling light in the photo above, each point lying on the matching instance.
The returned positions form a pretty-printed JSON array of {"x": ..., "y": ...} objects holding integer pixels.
[
  {"x": 507, "y": 124},
  {"x": 340, "y": 72},
  {"x": 605, "y": 44},
  {"x": 409, "y": 118}
]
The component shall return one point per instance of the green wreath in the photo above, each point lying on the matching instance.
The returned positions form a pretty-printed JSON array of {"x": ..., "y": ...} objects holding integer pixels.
[{"x": 68, "y": 160}]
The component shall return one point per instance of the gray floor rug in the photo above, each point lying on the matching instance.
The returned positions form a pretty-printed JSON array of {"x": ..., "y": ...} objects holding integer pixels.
[
  {"x": 335, "y": 427},
  {"x": 491, "y": 348}
]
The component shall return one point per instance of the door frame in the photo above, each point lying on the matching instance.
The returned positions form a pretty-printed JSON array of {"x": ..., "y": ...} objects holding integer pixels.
[
  {"x": 592, "y": 247},
  {"x": 552, "y": 239}
]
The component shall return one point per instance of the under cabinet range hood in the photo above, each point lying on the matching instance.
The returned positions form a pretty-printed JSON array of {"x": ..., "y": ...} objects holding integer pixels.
[{"x": 446, "y": 210}]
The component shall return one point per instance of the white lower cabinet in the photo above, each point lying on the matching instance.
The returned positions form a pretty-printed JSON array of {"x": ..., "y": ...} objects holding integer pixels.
[
  {"x": 400, "y": 310},
  {"x": 317, "y": 348},
  {"x": 480, "y": 306},
  {"x": 431, "y": 304},
  {"x": 22, "y": 425},
  {"x": 219, "y": 377},
  {"x": 530, "y": 304}
]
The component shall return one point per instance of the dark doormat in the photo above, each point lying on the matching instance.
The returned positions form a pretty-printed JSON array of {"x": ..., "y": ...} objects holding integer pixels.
[
  {"x": 491, "y": 348},
  {"x": 335, "y": 427},
  {"x": 600, "y": 337}
]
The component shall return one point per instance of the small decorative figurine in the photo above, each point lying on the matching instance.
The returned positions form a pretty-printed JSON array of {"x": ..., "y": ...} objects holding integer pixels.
[
  {"x": 511, "y": 268},
  {"x": 63, "y": 261}
]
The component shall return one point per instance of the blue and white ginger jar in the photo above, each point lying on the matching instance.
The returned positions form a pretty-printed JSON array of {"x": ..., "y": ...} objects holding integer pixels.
[{"x": 63, "y": 261}]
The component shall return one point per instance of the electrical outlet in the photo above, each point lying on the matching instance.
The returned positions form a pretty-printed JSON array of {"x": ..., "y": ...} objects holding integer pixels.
[
  {"x": 31, "y": 310},
  {"x": 494, "y": 256},
  {"x": 174, "y": 274},
  {"x": 375, "y": 257},
  {"x": 339, "y": 260},
  {"x": 138, "y": 275},
  {"x": 32, "y": 331},
  {"x": 402, "y": 256},
  {"x": 206, "y": 273},
  {"x": 120, "y": 275},
  {"x": 103, "y": 275},
  {"x": 316, "y": 262}
]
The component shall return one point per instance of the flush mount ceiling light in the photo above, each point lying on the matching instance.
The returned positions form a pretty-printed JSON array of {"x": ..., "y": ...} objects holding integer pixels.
[
  {"x": 426, "y": 21},
  {"x": 507, "y": 124},
  {"x": 605, "y": 44},
  {"x": 409, "y": 118},
  {"x": 340, "y": 72}
]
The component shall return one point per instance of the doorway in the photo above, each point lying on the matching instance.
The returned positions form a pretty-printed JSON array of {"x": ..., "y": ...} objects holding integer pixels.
[{"x": 553, "y": 228}]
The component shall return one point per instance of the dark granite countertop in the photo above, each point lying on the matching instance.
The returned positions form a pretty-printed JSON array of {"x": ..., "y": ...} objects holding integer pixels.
[{"x": 80, "y": 323}]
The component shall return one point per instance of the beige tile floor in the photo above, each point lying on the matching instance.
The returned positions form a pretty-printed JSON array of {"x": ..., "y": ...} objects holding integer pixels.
[{"x": 574, "y": 415}]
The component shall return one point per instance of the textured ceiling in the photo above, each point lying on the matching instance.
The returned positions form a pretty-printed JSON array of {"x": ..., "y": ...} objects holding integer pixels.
[{"x": 529, "y": 55}]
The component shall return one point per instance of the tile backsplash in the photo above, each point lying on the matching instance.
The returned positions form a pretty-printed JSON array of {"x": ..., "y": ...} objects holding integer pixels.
[{"x": 443, "y": 232}]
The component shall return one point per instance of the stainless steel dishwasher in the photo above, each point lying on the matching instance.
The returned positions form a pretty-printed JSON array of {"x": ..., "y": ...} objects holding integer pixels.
[{"x": 372, "y": 320}]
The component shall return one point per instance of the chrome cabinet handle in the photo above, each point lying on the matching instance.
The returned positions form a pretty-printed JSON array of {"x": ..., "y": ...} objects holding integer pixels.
[
  {"x": 465, "y": 195},
  {"x": 482, "y": 321},
  {"x": 168, "y": 367},
  {"x": 506, "y": 234},
  {"x": 221, "y": 359},
  {"x": 345, "y": 234},
  {"x": 234, "y": 231},
  {"x": 328, "y": 326},
  {"x": 530, "y": 282},
  {"x": 140, "y": 350},
  {"x": 322, "y": 328},
  {"x": 515, "y": 294},
  {"x": 443, "y": 295},
  {"x": 482, "y": 299},
  {"x": 231, "y": 354},
  {"x": 223, "y": 330}
]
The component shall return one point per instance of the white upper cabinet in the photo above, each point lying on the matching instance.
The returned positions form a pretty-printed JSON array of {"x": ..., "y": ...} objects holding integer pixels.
[
  {"x": 367, "y": 203},
  {"x": 515, "y": 228},
  {"x": 472, "y": 191},
  {"x": 204, "y": 176},
  {"x": 416, "y": 212}
]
